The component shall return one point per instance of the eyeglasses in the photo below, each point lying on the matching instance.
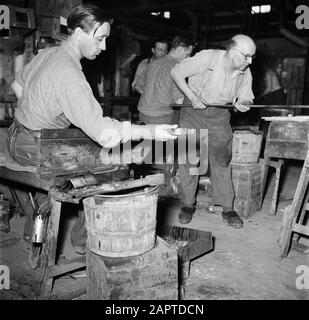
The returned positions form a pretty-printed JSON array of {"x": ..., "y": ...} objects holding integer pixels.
[{"x": 246, "y": 56}]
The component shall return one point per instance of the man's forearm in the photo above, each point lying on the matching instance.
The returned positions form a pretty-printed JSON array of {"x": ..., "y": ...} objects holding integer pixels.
[
  {"x": 17, "y": 89},
  {"x": 182, "y": 84},
  {"x": 138, "y": 86},
  {"x": 142, "y": 132}
]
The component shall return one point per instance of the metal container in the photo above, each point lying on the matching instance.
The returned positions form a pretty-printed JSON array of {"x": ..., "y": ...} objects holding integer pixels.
[
  {"x": 39, "y": 229},
  {"x": 4, "y": 214}
]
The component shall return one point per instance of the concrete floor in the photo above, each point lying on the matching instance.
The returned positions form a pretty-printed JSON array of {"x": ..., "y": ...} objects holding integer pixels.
[{"x": 245, "y": 262}]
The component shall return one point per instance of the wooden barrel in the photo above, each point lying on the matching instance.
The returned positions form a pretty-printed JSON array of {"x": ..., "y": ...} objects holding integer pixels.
[
  {"x": 122, "y": 225},
  {"x": 246, "y": 146}
]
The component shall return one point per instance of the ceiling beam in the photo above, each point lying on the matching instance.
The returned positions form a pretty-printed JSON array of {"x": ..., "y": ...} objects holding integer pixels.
[{"x": 167, "y": 5}]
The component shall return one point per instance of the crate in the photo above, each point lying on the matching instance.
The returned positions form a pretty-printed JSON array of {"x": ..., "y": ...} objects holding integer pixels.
[
  {"x": 151, "y": 276},
  {"x": 246, "y": 146},
  {"x": 246, "y": 208},
  {"x": 68, "y": 151},
  {"x": 287, "y": 139},
  {"x": 247, "y": 180}
]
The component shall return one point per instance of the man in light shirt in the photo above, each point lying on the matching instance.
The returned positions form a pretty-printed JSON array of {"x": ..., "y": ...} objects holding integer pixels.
[
  {"x": 159, "y": 49},
  {"x": 53, "y": 93},
  {"x": 215, "y": 77}
]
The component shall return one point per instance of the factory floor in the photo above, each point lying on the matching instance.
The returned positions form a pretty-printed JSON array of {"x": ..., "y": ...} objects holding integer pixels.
[{"x": 244, "y": 264}]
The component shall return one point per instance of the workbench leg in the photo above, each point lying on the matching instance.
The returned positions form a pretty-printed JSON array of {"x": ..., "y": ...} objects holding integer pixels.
[
  {"x": 278, "y": 166},
  {"x": 265, "y": 168},
  {"x": 286, "y": 231},
  {"x": 48, "y": 255},
  {"x": 302, "y": 215}
]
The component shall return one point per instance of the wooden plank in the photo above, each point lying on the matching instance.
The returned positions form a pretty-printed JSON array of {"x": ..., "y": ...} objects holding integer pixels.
[
  {"x": 286, "y": 149},
  {"x": 69, "y": 265},
  {"x": 150, "y": 180},
  {"x": 287, "y": 118},
  {"x": 27, "y": 178},
  {"x": 48, "y": 255},
  {"x": 62, "y": 134},
  {"x": 288, "y": 131},
  {"x": 273, "y": 208},
  {"x": 300, "y": 228}
]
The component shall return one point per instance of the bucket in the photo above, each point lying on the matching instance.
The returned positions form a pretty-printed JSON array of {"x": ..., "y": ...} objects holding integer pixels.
[
  {"x": 121, "y": 225},
  {"x": 246, "y": 146}
]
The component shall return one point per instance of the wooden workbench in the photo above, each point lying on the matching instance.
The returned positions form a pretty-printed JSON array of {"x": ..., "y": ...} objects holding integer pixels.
[{"x": 47, "y": 261}]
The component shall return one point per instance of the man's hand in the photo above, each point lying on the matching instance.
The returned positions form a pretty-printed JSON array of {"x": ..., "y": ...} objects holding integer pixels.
[
  {"x": 163, "y": 132},
  {"x": 239, "y": 106},
  {"x": 197, "y": 102}
]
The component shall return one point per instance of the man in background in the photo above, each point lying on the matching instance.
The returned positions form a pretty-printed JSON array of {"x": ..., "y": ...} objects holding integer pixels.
[
  {"x": 160, "y": 89},
  {"x": 158, "y": 49}
]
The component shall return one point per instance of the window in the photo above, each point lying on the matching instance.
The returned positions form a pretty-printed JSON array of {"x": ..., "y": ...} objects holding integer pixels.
[
  {"x": 165, "y": 14},
  {"x": 265, "y": 8}
]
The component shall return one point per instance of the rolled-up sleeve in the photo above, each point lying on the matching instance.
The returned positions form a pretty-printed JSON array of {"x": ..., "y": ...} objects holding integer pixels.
[
  {"x": 21, "y": 75},
  {"x": 244, "y": 91},
  {"x": 84, "y": 111},
  {"x": 139, "y": 79}
]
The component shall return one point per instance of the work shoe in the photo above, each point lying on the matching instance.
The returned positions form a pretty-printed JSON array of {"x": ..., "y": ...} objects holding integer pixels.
[
  {"x": 186, "y": 214},
  {"x": 232, "y": 219},
  {"x": 79, "y": 250}
]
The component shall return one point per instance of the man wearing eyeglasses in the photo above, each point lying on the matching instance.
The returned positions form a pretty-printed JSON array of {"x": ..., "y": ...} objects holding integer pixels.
[{"x": 215, "y": 77}]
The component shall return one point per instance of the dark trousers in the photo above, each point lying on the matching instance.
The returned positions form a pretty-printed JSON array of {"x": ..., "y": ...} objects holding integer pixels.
[
  {"x": 220, "y": 138},
  {"x": 172, "y": 118},
  {"x": 23, "y": 149}
]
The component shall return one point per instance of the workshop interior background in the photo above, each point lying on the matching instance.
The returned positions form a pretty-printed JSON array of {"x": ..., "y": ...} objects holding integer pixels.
[{"x": 220, "y": 262}]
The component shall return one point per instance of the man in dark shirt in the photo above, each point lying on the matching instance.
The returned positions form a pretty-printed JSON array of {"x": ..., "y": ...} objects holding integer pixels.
[{"x": 160, "y": 89}]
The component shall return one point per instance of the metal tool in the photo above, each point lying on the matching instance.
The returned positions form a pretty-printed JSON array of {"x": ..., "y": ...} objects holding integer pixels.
[
  {"x": 38, "y": 234},
  {"x": 261, "y": 106},
  {"x": 150, "y": 180},
  {"x": 39, "y": 225},
  {"x": 95, "y": 179}
]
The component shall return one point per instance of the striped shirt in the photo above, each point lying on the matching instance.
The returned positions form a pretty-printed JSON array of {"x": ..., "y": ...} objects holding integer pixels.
[
  {"x": 140, "y": 74},
  {"x": 56, "y": 94},
  {"x": 160, "y": 89}
]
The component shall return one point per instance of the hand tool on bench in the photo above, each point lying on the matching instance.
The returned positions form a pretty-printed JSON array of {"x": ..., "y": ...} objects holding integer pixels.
[{"x": 150, "y": 180}]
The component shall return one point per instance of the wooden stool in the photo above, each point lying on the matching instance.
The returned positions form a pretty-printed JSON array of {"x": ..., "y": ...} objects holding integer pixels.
[
  {"x": 47, "y": 260},
  {"x": 294, "y": 215}
]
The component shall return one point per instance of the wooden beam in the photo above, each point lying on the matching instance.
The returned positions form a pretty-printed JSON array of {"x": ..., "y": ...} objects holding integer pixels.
[
  {"x": 299, "y": 228},
  {"x": 157, "y": 6}
]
